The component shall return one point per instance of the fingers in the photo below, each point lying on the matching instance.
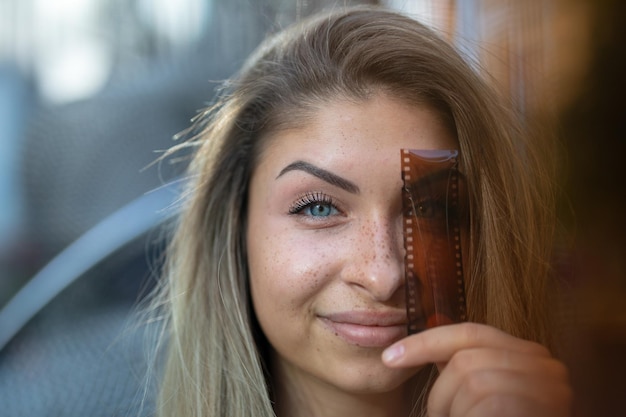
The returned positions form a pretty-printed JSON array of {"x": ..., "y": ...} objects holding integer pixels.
[
  {"x": 438, "y": 345},
  {"x": 473, "y": 375},
  {"x": 540, "y": 390},
  {"x": 485, "y": 372}
]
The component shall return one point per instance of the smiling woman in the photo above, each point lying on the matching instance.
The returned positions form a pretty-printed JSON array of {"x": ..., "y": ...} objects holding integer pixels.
[
  {"x": 327, "y": 278},
  {"x": 285, "y": 286}
]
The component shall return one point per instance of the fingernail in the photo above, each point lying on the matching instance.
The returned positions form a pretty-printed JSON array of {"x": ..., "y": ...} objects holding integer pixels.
[{"x": 393, "y": 353}]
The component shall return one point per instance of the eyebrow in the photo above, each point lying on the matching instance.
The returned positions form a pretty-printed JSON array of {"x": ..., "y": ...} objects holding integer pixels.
[{"x": 322, "y": 174}]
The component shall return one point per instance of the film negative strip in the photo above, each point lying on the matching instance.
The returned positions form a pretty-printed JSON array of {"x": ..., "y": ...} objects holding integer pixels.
[{"x": 433, "y": 220}]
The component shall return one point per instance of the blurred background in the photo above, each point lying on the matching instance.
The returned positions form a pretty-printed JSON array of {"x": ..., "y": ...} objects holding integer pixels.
[{"x": 92, "y": 91}]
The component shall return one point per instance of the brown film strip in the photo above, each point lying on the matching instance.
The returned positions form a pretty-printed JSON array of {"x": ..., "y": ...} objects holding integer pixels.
[{"x": 435, "y": 285}]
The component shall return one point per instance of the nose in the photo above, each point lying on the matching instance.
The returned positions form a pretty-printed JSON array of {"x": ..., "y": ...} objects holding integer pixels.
[{"x": 377, "y": 264}]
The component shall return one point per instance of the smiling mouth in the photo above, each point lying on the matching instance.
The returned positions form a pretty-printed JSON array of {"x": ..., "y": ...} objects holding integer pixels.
[{"x": 367, "y": 331}]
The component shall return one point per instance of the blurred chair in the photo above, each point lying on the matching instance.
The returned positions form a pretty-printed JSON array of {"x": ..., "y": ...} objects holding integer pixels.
[{"x": 69, "y": 342}]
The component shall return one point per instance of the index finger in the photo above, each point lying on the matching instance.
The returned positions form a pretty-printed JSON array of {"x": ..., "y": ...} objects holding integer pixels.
[{"x": 439, "y": 344}]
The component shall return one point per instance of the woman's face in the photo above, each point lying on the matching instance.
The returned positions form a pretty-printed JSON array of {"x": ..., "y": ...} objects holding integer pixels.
[{"x": 325, "y": 244}]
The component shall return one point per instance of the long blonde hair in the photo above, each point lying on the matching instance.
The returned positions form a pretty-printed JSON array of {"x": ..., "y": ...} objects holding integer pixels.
[{"x": 215, "y": 362}]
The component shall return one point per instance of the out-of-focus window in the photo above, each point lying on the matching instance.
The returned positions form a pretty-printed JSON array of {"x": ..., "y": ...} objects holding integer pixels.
[{"x": 70, "y": 47}]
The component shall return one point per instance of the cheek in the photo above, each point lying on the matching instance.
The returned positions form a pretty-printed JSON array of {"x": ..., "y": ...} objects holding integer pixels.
[{"x": 287, "y": 272}]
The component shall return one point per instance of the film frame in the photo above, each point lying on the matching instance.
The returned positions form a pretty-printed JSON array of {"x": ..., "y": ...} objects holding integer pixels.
[{"x": 432, "y": 222}]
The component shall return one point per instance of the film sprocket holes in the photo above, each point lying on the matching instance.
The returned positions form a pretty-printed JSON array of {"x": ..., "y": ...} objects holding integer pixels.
[{"x": 433, "y": 199}]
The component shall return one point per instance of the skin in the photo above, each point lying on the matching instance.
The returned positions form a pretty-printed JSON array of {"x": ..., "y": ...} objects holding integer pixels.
[
  {"x": 325, "y": 257},
  {"x": 486, "y": 372}
]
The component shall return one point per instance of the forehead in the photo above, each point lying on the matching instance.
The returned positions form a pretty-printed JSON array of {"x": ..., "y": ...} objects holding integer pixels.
[{"x": 346, "y": 131}]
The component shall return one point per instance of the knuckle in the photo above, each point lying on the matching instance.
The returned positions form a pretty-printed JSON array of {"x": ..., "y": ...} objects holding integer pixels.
[
  {"x": 472, "y": 333},
  {"x": 461, "y": 362},
  {"x": 475, "y": 384}
]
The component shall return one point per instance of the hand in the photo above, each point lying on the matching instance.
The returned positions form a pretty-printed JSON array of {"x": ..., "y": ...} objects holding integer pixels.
[{"x": 485, "y": 372}]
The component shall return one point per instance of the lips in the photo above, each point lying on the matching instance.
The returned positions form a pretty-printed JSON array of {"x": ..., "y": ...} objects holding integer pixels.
[{"x": 367, "y": 328}]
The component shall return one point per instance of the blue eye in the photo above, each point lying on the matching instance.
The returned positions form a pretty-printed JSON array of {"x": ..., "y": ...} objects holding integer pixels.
[
  {"x": 314, "y": 205},
  {"x": 320, "y": 210}
]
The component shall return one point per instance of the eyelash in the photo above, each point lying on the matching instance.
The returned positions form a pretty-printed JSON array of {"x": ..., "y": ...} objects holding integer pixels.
[{"x": 310, "y": 199}]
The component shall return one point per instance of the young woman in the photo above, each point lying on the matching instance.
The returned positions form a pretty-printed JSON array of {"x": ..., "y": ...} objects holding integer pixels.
[{"x": 285, "y": 280}]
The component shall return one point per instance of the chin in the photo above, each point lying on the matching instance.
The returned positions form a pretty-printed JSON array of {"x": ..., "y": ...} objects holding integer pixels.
[{"x": 377, "y": 379}]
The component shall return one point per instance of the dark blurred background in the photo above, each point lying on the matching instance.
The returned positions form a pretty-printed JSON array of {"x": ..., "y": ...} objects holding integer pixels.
[{"x": 92, "y": 91}]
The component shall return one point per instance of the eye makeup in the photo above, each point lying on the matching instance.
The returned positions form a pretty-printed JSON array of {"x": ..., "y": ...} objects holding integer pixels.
[
  {"x": 432, "y": 196},
  {"x": 311, "y": 199}
]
